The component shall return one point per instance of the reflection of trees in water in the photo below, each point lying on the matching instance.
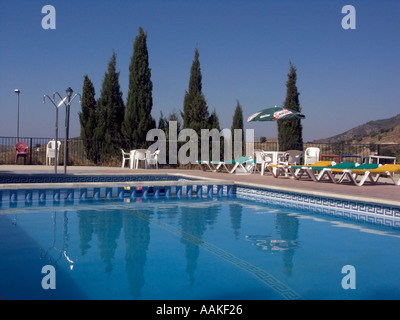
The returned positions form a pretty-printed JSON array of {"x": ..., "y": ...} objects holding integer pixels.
[
  {"x": 194, "y": 222},
  {"x": 289, "y": 230},
  {"x": 107, "y": 227},
  {"x": 85, "y": 229},
  {"x": 137, "y": 239},
  {"x": 235, "y": 212}
]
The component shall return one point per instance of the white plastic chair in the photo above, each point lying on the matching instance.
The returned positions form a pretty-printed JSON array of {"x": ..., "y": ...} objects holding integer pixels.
[
  {"x": 140, "y": 155},
  {"x": 292, "y": 157},
  {"x": 51, "y": 151},
  {"x": 311, "y": 155},
  {"x": 152, "y": 158},
  {"x": 261, "y": 159},
  {"x": 126, "y": 156}
]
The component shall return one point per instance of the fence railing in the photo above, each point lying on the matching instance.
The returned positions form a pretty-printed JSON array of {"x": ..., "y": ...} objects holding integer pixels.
[
  {"x": 37, "y": 151},
  {"x": 337, "y": 150},
  {"x": 77, "y": 152}
]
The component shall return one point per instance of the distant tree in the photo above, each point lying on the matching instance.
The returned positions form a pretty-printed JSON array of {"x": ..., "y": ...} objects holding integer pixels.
[
  {"x": 111, "y": 110},
  {"x": 138, "y": 120},
  {"x": 195, "y": 111},
  {"x": 237, "y": 123},
  {"x": 290, "y": 132},
  {"x": 173, "y": 116},
  {"x": 164, "y": 124},
  {"x": 88, "y": 119},
  {"x": 213, "y": 120}
]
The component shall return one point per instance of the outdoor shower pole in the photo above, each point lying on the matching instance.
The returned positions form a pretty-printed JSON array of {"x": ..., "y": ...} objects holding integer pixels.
[
  {"x": 56, "y": 144},
  {"x": 56, "y": 141},
  {"x": 69, "y": 94}
]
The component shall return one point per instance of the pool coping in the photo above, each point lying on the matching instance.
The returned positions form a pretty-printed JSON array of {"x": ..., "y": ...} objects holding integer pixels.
[
  {"x": 66, "y": 185},
  {"x": 387, "y": 211}
]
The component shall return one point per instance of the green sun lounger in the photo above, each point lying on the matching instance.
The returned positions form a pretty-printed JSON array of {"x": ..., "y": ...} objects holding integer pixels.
[
  {"x": 205, "y": 164},
  {"x": 297, "y": 171},
  {"x": 323, "y": 173},
  {"x": 246, "y": 163}
]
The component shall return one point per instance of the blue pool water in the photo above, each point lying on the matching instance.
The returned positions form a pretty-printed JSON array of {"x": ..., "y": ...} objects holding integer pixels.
[{"x": 219, "y": 248}]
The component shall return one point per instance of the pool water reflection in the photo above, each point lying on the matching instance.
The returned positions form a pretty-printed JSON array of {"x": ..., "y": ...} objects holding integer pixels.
[{"x": 192, "y": 249}]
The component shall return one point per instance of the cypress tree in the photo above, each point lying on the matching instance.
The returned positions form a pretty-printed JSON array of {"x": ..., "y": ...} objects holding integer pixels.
[
  {"x": 162, "y": 122},
  {"x": 195, "y": 111},
  {"x": 290, "y": 132},
  {"x": 110, "y": 113},
  {"x": 213, "y": 121},
  {"x": 87, "y": 119},
  {"x": 138, "y": 120},
  {"x": 237, "y": 123}
]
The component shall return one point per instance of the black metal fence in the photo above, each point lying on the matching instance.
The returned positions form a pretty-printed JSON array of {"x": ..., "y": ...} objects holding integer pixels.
[
  {"x": 343, "y": 151},
  {"x": 77, "y": 153},
  {"x": 37, "y": 151}
]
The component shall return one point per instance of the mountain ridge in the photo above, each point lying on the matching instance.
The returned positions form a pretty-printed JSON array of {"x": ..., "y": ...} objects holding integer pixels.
[{"x": 375, "y": 131}]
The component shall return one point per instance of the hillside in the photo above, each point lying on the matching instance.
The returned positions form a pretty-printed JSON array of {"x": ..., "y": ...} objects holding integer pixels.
[{"x": 378, "y": 131}]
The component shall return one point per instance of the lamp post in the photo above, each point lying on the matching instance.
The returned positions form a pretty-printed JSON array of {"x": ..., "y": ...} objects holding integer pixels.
[
  {"x": 17, "y": 92},
  {"x": 67, "y": 105}
]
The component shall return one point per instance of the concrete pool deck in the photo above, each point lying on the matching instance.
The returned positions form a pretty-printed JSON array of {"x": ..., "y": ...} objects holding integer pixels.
[{"x": 383, "y": 193}]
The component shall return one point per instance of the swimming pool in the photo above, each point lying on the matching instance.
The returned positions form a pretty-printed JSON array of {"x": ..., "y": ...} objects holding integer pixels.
[{"x": 250, "y": 244}]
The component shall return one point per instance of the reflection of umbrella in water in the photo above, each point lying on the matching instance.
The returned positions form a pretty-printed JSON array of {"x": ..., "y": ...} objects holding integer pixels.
[{"x": 275, "y": 114}]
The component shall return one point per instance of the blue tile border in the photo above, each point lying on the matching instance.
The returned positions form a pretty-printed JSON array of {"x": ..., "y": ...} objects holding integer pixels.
[
  {"x": 345, "y": 208},
  {"x": 27, "y": 195},
  {"x": 369, "y": 212}
]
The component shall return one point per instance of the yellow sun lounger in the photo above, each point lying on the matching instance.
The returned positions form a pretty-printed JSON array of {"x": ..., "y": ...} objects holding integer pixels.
[
  {"x": 276, "y": 169},
  {"x": 387, "y": 170}
]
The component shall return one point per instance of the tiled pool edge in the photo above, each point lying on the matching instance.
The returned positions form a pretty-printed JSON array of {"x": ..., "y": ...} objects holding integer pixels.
[
  {"x": 348, "y": 208},
  {"x": 379, "y": 211}
]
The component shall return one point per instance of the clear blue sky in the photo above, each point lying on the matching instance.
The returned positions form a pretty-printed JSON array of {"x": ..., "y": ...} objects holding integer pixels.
[{"x": 345, "y": 77}]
